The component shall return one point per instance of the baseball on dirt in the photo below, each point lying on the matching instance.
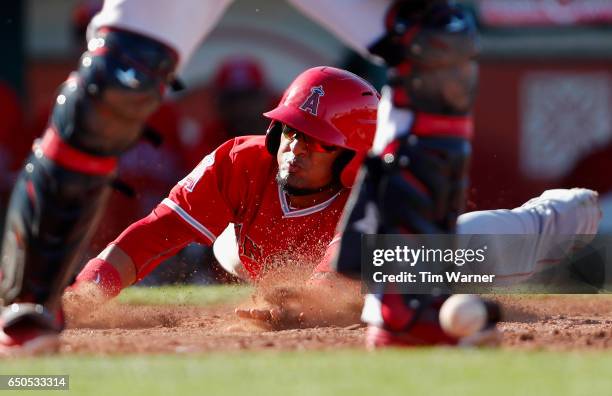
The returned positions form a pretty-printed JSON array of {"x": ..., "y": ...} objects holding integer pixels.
[{"x": 462, "y": 315}]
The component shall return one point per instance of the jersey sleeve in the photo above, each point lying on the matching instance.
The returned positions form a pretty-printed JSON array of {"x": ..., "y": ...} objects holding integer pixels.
[
  {"x": 331, "y": 253},
  {"x": 154, "y": 238},
  {"x": 208, "y": 198}
]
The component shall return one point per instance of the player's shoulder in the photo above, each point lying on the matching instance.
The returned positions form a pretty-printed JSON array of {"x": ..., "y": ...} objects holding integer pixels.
[
  {"x": 252, "y": 147},
  {"x": 250, "y": 143}
]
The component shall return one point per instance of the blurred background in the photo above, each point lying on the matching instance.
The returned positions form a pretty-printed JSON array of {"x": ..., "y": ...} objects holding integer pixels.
[{"x": 543, "y": 114}]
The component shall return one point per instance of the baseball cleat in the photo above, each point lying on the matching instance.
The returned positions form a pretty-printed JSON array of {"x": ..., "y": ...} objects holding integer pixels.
[
  {"x": 393, "y": 322},
  {"x": 488, "y": 337},
  {"x": 28, "y": 330},
  {"x": 424, "y": 334}
]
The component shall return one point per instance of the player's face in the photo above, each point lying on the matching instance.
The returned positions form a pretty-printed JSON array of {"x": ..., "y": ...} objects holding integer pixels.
[{"x": 304, "y": 162}]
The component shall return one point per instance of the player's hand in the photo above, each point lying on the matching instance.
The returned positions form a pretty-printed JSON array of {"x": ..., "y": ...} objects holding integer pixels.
[
  {"x": 81, "y": 299},
  {"x": 281, "y": 308},
  {"x": 262, "y": 314},
  {"x": 275, "y": 317},
  {"x": 86, "y": 292},
  {"x": 323, "y": 301}
]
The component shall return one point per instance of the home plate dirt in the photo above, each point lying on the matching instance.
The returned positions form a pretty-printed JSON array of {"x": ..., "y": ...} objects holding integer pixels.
[{"x": 548, "y": 322}]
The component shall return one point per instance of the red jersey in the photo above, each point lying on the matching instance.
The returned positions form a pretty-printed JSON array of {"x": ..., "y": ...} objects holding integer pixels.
[{"x": 236, "y": 183}]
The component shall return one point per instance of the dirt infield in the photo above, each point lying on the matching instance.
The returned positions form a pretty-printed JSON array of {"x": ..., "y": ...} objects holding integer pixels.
[
  {"x": 550, "y": 322},
  {"x": 557, "y": 322}
]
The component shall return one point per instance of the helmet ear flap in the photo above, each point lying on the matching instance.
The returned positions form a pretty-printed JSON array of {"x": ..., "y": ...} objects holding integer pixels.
[
  {"x": 273, "y": 137},
  {"x": 340, "y": 164},
  {"x": 349, "y": 173}
]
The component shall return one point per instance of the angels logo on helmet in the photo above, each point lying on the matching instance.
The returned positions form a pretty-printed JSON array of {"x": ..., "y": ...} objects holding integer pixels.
[{"x": 311, "y": 104}]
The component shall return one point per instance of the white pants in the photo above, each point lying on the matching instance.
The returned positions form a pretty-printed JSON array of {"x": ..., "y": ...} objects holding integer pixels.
[
  {"x": 555, "y": 212},
  {"x": 185, "y": 23}
]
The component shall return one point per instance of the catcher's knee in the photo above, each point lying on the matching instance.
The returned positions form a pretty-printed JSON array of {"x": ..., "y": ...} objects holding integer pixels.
[
  {"x": 431, "y": 47},
  {"x": 101, "y": 109}
]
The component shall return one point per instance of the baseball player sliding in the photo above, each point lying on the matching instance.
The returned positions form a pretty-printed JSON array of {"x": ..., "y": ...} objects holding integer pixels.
[
  {"x": 285, "y": 192},
  {"x": 136, "y": 48}
]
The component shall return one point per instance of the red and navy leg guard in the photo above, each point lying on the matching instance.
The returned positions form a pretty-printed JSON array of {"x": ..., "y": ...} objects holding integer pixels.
[
  {"x": 51, "y": 216},
  {"x": 99, "y": 113}
]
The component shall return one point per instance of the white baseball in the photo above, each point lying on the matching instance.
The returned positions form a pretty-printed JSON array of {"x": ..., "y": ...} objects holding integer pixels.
[{"x": 462, "y": 315}]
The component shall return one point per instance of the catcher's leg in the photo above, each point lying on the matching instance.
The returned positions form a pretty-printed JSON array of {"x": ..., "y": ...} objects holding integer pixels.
[
  {"x": 415, "y": 180},
  {"x": 61, "y": 192},
  {"x": 134, "y": 49}
]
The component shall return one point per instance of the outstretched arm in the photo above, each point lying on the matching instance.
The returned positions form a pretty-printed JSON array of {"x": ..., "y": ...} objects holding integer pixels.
[
  {"x": 196, "y": 210},
  {"x": 137, "y": 251}
]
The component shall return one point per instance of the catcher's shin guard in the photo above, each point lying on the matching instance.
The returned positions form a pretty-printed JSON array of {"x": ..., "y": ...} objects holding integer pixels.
[
  {"x": 415, "y": 180},
  {"x": 99, "y": 113},
  {"x": 52, "y": 214}
]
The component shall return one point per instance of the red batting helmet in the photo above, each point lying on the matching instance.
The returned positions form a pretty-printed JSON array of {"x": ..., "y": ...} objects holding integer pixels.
[{"x": 332, "y": 105}]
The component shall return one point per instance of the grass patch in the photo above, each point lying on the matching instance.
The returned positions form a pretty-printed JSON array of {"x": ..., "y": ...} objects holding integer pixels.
[
  {"x": 436, "y": 371},
  {"x": 184, "y": 295}
]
